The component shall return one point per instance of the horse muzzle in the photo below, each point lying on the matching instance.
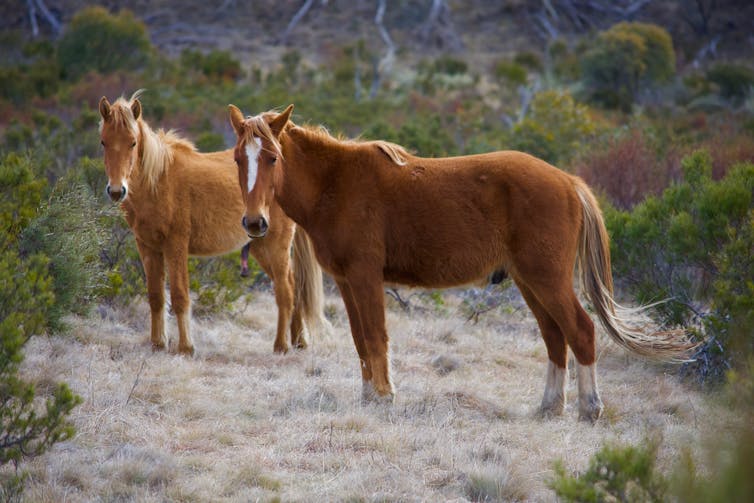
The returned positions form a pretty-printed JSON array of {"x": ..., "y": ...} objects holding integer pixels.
[
  {"x": 117, "y": 195},
  {"x": 255, "y": 227}
]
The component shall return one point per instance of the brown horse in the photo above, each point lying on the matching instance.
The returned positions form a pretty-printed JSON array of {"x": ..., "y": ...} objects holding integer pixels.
[
  {"x": 179, "y": 202},
  {"x": 377, "y": 214}
]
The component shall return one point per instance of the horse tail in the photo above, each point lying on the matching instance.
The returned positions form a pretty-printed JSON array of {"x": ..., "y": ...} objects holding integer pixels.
[
  {"x": 310, "y": 295},
  {"x": 597, "y": 282}
]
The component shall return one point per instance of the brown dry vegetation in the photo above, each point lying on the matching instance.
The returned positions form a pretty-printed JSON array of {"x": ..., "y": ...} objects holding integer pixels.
[{"x": 238, "y": 423}]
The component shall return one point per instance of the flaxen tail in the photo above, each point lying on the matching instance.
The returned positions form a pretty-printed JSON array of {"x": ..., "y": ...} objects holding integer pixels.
[
  {"x": 310, "y": 296},
  {"x": 597, "y": 282}
]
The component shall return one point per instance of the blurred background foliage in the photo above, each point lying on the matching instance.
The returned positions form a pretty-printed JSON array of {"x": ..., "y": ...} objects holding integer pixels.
[{"x": 657, "y": 116}]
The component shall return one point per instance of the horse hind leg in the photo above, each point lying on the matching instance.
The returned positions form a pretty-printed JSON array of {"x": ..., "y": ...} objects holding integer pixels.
[
  {"x": 179, "y": 297},
  {"x": 563, "y": 306},
  {"x": 554, "y": 399},
  {"x": 277, "y": 267}
]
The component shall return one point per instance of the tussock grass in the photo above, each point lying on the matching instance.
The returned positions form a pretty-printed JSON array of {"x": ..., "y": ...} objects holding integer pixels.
[{"x": 239, "y": 423}]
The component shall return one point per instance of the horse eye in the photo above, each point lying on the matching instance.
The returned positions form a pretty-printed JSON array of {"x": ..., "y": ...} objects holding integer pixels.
[
  {"x": 133, "y": 144},
  {"x": 102, "y": 142},
  {"x": 273, "y": 159}
]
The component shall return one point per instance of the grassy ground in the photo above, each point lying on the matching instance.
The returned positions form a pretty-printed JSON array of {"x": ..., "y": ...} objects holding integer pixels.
[{"x": 237, "y": 423}]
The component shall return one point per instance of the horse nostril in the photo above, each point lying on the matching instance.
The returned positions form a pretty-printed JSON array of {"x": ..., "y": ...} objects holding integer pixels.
[
  {"x": 107, "y": 189},
  {"x": 243, "y": 222},
  {"x": 263, "y": 226}
]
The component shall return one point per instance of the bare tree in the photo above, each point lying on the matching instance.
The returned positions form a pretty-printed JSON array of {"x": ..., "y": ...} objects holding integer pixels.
[
  {"x": 385, "y": 65},
  {"x": 39, "y": 8},
  {"x": 438, "y": 24},
  {"x": 698, "y": 13},
  {"x": 552, "y": 16},
  {"x": 296, "y": 19}
]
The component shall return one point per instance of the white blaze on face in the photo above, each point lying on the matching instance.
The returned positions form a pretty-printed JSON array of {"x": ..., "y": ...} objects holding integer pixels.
[{"x": 252, "y": 153}]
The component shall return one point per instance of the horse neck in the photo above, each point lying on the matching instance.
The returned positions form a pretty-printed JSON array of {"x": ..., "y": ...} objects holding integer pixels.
[{"x": 300, "y": 179}]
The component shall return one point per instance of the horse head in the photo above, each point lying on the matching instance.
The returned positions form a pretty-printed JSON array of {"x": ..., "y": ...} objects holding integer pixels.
[
  {"x": 119, "y": 134},
  {"x": 257, "y": 153}
]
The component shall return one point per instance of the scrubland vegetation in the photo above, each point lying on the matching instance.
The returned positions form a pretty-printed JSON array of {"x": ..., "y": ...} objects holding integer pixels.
[{"x": 664, "y": 136}]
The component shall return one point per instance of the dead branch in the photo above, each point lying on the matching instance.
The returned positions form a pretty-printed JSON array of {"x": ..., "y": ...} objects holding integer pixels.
[
  {"x": 136, "y": 381},
  {"x": 296, "y": 19},
  {"x": 39, "y": 8},
  {"x": 33, "y": 17},
  {"x": 385, "y": 65},
  {"x": 438, "y": 23}
]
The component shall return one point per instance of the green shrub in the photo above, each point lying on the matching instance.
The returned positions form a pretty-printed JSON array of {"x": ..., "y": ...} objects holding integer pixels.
[
  {"x": 67, "y": 230},
  {"x": 625, "y": 57},
  {"x": 216, "y": 65},
  {"x": 555, "y": 128},
  {"x": 692, "y": 246},
  {"x": 216, "y": 283},
  {"x": 511, "y": 72},
  {"x": 733, "y": 81},
  {"x": 209, "y": 141},
  {"x": 450, "y": 65},
  {"x": 20, "y": 195},
  {"x": 99, "y": 41},
  {"x": 528, "y": 60},
  {"x": 26, "y": 300},
  {"x": 615, "y": 473}
]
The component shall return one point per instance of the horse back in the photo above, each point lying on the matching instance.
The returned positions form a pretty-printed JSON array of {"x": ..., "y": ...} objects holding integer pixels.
[{"x": 450, "y": 221}]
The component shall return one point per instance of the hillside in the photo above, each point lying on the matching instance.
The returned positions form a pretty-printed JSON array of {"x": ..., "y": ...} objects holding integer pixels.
[{"x": 478, "y": 31}]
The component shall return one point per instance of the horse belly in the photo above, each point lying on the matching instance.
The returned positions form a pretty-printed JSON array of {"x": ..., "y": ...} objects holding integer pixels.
[
  {"x": 456, "y": 267},
  {"x": 210, "y": 243}
]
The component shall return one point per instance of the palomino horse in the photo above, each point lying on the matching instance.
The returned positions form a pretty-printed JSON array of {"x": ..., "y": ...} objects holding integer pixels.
[
  {"x": 377, "y": 214},
  {"x": 179, "y": 202}
]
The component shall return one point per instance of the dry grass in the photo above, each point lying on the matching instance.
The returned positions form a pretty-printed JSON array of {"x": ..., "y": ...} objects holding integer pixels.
[{"x": 238, "y": 423}]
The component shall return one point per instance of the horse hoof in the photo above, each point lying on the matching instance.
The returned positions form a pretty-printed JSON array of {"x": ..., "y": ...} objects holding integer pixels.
[
  {"x": 591, "y": 409},
  {"x": 370, "y": 395},
  {"x": 159, "y": 346},
  {"x": 280, "y": 349},
  {"x": 187, "y": 351},
  {"x": 550, "y": 412}
]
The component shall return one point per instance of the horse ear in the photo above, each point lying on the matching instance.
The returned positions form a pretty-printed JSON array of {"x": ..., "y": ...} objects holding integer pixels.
[
  {"x": 136, "y": 109},
  {"x": 104, "y": 108},
  {"x": 236, "y": 119},
  {"x": 278, "y": 123}
]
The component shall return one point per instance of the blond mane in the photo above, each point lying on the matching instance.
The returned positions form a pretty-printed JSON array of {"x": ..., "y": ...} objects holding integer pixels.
[
  {"x": 156, "y": 148},
  {"x": 395, "y": 152},
  {"x": 257, "y": 126}
]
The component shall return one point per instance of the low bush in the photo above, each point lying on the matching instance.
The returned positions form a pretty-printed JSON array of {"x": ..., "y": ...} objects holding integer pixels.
[
  {"x": 692, "y": 246},
  {"x": 734, "y": 82},
  {"x": 215, "y": 65},
  {"x": 27, "y": 300},
  {"x": 67, "y": 230},
  {"x": 99, "y": 41},
  {"x": 615, "y": 473},
  {"x": 556, "y": 128},
  {"x": 628, "y": 169},
  {"x": 624, "y": 58}
]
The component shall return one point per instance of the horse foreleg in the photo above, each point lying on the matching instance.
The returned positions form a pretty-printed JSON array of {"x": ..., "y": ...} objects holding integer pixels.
[
  {"x": 154, "y": 270},
  {"x": 357, "y": 332},
  {"x": 177, "y": 259},
  {"x": 368, "y": 304}
]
